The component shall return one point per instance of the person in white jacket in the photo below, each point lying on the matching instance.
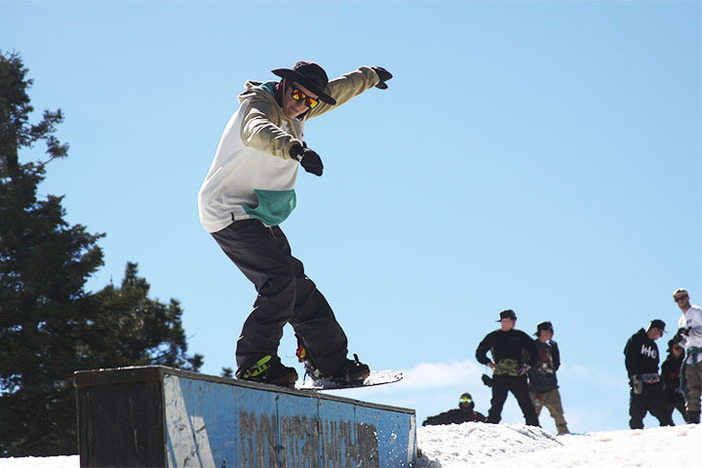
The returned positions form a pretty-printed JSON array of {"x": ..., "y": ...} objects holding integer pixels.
[
  {"x": 690, "y": 330},
  {"x": 249, "y": 190}
]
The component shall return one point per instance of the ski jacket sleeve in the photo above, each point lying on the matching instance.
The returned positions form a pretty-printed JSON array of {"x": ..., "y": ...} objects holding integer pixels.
[
  {"x": 436, "y": 420},
  {"x": 346, "y": 87},
  {"x": 532, "y": 350},
  {"x": 483, "y": 348},
  {"x": 692, "y": 320},
  {"x": 261, "y": 127},
  {"x": 454, "y": 416},
  {"x": 628, "y": 356},
  {"x": 641, "y": 354},
  {"x": 265, "y": 126},
  {"x": 555, "y": 355}
]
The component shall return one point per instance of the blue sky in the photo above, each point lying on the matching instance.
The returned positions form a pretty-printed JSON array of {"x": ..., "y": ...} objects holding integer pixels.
[{"x": 541, "y": 156}]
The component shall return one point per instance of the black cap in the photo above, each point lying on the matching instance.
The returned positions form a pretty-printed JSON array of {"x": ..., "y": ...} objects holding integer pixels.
[
  {"x": 509, "y": 313},
  {"x": 311, "y": 76},
  {"x": 543, "y": 326},
  {"x": 657, "y": 323}
]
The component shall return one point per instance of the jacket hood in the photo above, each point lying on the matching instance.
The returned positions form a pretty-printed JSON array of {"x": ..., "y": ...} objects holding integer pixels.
[
  {"x": 256, "y": 88},
  {"x": 266, "y": 91}
]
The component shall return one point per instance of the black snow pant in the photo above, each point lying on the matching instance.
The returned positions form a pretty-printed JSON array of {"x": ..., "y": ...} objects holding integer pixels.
[
  {"x": 501, "y": 386},
  {"x": 651, "y": 400},
  {"x": 674, "y": 402},
  {"x": 285, "y": 295}
]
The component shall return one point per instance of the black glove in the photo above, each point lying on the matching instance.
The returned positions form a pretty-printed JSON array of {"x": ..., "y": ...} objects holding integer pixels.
[
  {"x": 309, "y": 160},
  {"x": 683, "y": 331},
  {"x": 383, "y": 75}
]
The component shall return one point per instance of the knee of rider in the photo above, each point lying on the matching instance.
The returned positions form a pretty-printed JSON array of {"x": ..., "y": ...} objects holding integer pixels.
[{"x": 280, "y": 284}]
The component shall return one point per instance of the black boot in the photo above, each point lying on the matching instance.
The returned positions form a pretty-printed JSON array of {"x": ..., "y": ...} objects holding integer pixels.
[
  {"x": 562, "y": 429},
  {"x": 348, "y": 372},
  {"x": 269, "y": 370},
  {"x": 693, "y": 417},
  {"x": 351, "y": 371}
]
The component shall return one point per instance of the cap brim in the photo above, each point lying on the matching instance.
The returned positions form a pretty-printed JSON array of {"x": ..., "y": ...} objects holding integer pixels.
[{"x": 298, "y": 78}]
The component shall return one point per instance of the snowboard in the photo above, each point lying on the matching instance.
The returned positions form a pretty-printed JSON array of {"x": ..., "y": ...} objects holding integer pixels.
[{"x": 375, "y": 378}]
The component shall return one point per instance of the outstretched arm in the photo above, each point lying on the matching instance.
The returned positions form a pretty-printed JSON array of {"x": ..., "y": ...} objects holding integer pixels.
[
  {"x": 261, "y": 131},
  {"x": 351, "y": 85}
]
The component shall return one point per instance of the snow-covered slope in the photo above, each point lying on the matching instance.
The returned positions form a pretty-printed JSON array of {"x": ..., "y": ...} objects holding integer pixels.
[
  {"x": 514, "y": 446},
  {"x": 477, "y": 444}
]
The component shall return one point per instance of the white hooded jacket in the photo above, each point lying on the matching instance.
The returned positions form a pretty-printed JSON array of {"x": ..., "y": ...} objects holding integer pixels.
[
  {"x": 252, "y": 174},
  {"x": 692, "y": 321}
]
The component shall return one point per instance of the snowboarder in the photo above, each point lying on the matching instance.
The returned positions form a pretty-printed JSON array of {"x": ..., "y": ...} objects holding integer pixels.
[
  {"x": 249, "y": 191},
  {"x": 543, "y": 383},
  {"x": 508, "y": 348},
  {"x": 464, "y": 413},
  {"x": 670, "y": 375},
  {"x": 641, "y": 361},
  {"x": 690, "y": 329}
]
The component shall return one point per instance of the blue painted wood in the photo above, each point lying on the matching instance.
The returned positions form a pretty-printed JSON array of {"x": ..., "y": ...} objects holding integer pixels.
[{"x": 217, "y": 422}]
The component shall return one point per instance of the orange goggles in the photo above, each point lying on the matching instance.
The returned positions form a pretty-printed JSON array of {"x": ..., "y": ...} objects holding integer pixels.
[{"x": 300, "y": 96}]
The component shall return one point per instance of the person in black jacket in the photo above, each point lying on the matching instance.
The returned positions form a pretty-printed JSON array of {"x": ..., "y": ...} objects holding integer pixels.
[
  {"x": 543, "y": 383},
  {"x": 508, "y": 348},
  {"x": 670, "y": 375},
  {"x": 464, "y": 413},
  {"x": 641, "y": 360}
]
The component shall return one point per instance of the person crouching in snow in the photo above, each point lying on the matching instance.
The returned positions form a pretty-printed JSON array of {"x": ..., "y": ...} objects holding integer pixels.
[
  {"x": 249, "y": 191},
  {"x": 464, "y": 413}
]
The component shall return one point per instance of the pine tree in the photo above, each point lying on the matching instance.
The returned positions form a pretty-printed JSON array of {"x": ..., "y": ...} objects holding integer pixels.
[
  {"x": 49, "y": 325},
  {"x": 132, "y": 329},
  {"x": 44, "y": 264}
]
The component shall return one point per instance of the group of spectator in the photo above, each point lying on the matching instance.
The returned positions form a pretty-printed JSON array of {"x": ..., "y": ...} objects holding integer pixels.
[
  {"x": 679, "y": 383},
  {"x": 527, "y": 368},
  {"x": 521, "y": 365}
]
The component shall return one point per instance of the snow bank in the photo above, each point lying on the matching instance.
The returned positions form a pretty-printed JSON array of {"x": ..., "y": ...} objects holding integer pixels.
[
  {"x": 510, "y": 446},
  {"x": 477, "y": 443},
  {"x": 507, "y": 446},
  {"x": 72, "y": 461}
]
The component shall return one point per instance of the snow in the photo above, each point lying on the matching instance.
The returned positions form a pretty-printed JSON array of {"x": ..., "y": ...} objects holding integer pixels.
[
  {"x": 507, "y": 446},
  {"x": 487, "y": 445},
  {"x": 72, "y": 461}
]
